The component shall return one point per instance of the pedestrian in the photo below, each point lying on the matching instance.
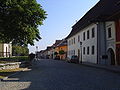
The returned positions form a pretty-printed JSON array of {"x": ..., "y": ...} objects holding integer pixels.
[{"x": 31, "y": 57}]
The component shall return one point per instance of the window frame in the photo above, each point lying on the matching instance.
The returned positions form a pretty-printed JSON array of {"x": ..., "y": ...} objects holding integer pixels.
[
  {"x": 83, "y": 50},
  {"x": 109, "y": 29},
  {"x": 74, "y": 40},
  {"x": 93, "y": 50},
  {"x": 88, "y": 34},
  {"x": 93, "y": 32},
  {"x": 78, "y": 38},
  {"x": 88, "y": 50},
  {"x": 83, "y": 36}
]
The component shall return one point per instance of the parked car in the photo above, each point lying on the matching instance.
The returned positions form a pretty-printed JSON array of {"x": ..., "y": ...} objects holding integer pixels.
[
  {"x": 73, "y": 59},
  {"x": 68, "y": 60}
]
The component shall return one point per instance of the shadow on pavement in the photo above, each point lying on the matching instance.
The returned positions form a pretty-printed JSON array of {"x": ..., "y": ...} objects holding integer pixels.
[{"x": 59, "y": 75}]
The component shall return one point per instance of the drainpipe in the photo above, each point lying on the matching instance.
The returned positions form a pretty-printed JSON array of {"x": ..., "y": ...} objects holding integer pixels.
[
  {"x": 101, "y": 41},
  {"x": 105, "y": 41},
  {"x": 98, "y": 42}
]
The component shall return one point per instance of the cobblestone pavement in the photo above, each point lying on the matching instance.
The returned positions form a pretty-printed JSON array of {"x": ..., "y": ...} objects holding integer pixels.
[{"x": 60, "y": 75}]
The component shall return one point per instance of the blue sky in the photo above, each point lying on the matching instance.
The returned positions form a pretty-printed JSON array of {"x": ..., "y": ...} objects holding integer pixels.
[{"x": 62, "y": 15}]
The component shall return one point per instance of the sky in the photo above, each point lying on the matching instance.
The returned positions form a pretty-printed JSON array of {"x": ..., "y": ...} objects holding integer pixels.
[{"x": 62, "y": 15}]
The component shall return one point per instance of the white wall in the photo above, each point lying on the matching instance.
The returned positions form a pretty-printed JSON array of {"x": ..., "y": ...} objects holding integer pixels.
[
  {"x": 7, "y": 48},
  {"x": 87, "y": 43},
  {"x": 110, "y": 41}
]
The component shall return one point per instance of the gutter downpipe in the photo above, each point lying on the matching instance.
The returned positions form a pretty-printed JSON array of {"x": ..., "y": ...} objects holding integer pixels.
[
  {"x": 105, "y": 42},
  {"x": 97, "y": 42}
]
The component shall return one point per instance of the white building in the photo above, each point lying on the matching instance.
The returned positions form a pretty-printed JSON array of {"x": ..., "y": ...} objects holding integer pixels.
[
  {"x": 5, "y": 50},
  {"x": 88, "y": 37},
  {"x": 110, "y": 42},
  {"x": 92, "y": 38}
]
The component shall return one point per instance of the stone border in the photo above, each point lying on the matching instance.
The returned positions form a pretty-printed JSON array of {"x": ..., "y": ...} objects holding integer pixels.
[
  {"x": 5, "y": 78},
  {"x": 114, "y": 69},
  {"x": 10, "y": 65}
]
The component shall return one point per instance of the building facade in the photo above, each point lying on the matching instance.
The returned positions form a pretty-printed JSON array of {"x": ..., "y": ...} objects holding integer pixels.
[
  {"x": 5, "y": 50},
  {"x": 117, "y": 26},
  {"x": 95, "y": 37},
  {"x": 86, "y": 51},
  {"x": 62, "y": 49}
]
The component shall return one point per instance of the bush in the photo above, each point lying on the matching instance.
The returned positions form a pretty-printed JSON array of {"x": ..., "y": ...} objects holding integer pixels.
[{"x": 16, "y": 58}]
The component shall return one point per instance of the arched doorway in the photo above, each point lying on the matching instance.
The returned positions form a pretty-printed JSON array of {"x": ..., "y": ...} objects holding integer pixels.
[{"x": 111, "y": 56}]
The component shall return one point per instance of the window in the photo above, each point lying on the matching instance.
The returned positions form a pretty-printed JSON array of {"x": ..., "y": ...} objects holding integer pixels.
[
  {"x": 93, "y": 50},
  {"x": 109, "y": 33},
  {"x": 88, "y": 34},
  {"x": 78, "y": 38},
  {"x": 74, "y": 40},
  {"x": 83, "y": 50},
  {"x": 69, "y": 42},
  {"x": 93, "y": 32},
  {"x": 88, "y": 50},
  {"x": 74, "y": 52},
  {"x": 69, "y": 52},
  {"x": 84, "y": 36}
]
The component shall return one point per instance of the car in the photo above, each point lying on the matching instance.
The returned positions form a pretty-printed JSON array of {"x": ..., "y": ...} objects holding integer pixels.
[
  {"x": 68, "y": 60},
  {"x": 74, "y": 59}
]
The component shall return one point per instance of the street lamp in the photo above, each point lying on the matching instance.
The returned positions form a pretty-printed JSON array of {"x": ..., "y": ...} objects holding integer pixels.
[{"x": 81, "y": 52}]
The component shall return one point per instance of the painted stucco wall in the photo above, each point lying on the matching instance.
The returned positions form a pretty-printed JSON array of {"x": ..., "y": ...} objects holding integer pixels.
[
  {"x": 64, "y": 48},
  {"x": 117, "y": 25},
  {"x": 110, "y": 41},
  {"x": 73, "y": 48},
  {"x": 1, "y": 47},
  {"x": 4, "y": 49}
]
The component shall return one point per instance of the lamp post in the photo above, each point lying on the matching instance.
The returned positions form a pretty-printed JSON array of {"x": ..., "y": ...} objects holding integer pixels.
[{"x": 81, "y": 52}]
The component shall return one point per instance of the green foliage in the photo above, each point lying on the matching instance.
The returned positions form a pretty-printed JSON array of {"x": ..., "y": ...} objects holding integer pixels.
[
  {"x": 19, "y": 21},
  {"x": 16, "y": 58},
  {"x": 20, "y": 50},
  {"x": 61, "y": 52},
  {"x": 55, "y": 53}
]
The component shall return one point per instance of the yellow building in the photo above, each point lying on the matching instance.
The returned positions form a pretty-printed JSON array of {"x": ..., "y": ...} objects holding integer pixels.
[{"x": 62, "y": 49}]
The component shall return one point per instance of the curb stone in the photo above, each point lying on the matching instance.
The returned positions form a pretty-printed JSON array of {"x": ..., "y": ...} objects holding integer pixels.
[
  {"x": 5, "y": 78},
  {"x": 111, "y": 69}
]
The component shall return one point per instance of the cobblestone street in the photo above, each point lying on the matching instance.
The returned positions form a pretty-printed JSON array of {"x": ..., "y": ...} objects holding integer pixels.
[{"x": 60, "y": 75}]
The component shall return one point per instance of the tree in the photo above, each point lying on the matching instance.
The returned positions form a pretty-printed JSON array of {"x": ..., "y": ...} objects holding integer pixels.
[
  {"x": 55, "y": 53},
  {"x": 20, "y": 50},
  {"x": 61, "y": 52},
  {"x": 19, "y": 21}
]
